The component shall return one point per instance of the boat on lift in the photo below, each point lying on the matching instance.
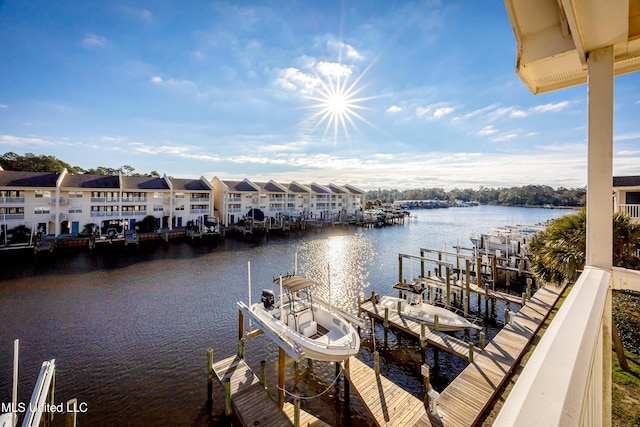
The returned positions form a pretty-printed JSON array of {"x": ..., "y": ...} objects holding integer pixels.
[
  {"x": 299, "y": 317},
  {"x": 413, "y": 307}
]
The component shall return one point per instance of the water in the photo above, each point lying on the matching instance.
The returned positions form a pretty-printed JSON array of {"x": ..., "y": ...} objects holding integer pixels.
[{"x": 129, "y": 331}]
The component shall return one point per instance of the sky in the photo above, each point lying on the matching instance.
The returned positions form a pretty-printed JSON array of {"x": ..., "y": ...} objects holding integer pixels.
[{"x": 377, "y": 94}]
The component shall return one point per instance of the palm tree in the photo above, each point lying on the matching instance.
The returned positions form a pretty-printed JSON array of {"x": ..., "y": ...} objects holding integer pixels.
[{"x": 558, "y": 254}]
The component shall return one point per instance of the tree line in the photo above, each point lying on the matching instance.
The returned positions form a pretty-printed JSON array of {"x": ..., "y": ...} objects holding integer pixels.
[
  {"x": 528, "y": 195},
  {"x": 44, "y": 163}
]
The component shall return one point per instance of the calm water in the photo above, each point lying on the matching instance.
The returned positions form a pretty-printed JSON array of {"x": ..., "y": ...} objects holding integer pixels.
[{"x": 129, "y": 330}]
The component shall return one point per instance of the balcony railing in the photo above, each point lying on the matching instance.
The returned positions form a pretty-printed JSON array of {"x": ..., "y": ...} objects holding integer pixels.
[
  {"x": 199, "y": 199},
  {"x": 199, "y": 211},
  {"x": 564, "y": 383},
  {"x": 632, "y": 210},
  {"x": 6, "y": 217},
  {"x": 105, "y": 199},
  {"x": 62, "y": 201},
  {"x": 11, "y": 200},
  {"x": 134, "y": 199}
]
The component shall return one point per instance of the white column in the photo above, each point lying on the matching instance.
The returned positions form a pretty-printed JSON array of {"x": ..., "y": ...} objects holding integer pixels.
[
  {"x": 599, "y": 194},
  {"x": 600, "y": 159}
]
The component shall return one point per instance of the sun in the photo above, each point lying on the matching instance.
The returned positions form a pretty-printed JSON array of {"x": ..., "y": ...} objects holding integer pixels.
[{"x": 337, "y": 103}]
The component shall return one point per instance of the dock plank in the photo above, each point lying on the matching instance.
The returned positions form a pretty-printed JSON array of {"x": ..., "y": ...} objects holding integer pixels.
[
  {"x": 387, "y": 403},
  {"x": 250, "y": 401},
  {"x": 464, "y": 400},
  {"x": 413, "y": 328}
]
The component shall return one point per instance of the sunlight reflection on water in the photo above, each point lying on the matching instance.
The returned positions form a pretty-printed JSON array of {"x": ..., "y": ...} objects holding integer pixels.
[{"x": 338, "y": 264}]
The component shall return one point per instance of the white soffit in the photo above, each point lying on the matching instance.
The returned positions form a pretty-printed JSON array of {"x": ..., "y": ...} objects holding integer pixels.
[{"x": 554, "y": 38}]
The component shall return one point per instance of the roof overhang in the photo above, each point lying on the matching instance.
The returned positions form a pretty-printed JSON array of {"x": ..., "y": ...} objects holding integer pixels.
[{"x": 554, "y": 39}]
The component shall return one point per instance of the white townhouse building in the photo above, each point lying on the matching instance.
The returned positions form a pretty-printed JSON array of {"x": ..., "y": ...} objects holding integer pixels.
[
  {"x": 190, "y": 200},
  {"x": 626, "y": 196},
  {"x": 29, "y": 199},
  {"x": 234, "y": 199},
  {"x": 63, "y": 203}
]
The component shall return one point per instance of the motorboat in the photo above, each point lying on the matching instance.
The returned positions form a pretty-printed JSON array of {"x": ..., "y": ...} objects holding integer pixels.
[
  {"x": 320, "y": 330},
  {"x": 413, "y": 307}
]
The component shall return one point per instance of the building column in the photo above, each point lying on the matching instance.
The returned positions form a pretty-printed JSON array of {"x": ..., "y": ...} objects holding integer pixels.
[
  {"x": 600, "y": 159},
  {"x": 599, "y": 195}
]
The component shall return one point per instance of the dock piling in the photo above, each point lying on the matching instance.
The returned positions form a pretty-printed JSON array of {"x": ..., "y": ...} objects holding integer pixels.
[
  {"x": 263, "y": 373},
  {"x": 209, "y": 375},
  {"x": 227, "y": 397},
  {"x": 470, "y": 352},
  {"x": 70, "y": 417},
  {"x": 424, "y": 370},
  {"x": 482, "y": 340}
]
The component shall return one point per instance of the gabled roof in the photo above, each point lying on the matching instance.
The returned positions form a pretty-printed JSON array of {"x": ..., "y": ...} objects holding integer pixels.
[
  {"x": 336, "y": 189},
  {"x": 317, "y": 188},
  {"x": 144, "y": 183},
  {"x": 91, "y": 181},
  {"x": 354, "y": 190},
  {"x": 626, "y": 181},
  {"x": 27, "y": 179},
  {"x": 294, "y": 187},
  {"x": 271, "y": 187},
  {"x": 188, "y": 184},
  {"x": 240, "y": 186}
]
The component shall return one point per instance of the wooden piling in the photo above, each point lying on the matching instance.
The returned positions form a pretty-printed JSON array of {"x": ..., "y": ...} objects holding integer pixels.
[
  {"x": 70, "y": 416},
  {"x": 482, "y": 340},
  {"x": 447, "y": 303},
  {"x": 376, "y": 362},
  {"x": 436, "y": 322},
  {"x": 399, "y": 268},
  {"x": 347, "y": 391},
  {"x": 210, "y": 375},
  {"x": 296, "y": 413},
  {"x": 227, "y": 396},
  {"x": 281, "y": 356},
  {"x": 479, "y": 271},
  {"x": 470, "y": 352},
  {"x": 263, "y": 373},
  {"x": 529, "y": 282},
  {"x": 426, "y": 382}
]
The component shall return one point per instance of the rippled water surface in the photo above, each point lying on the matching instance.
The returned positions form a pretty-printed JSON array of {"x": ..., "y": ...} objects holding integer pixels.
[{"x": 129, "y": 329}]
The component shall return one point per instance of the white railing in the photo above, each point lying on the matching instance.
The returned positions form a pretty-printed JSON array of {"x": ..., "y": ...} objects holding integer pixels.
[
  {"x": 564, "y": 383},
  {"x": 11, "y": 199},
  {"x": 626, "y": 279},
  {"x": 6, "y": 217},
  {"x": 632, "y": 210}
]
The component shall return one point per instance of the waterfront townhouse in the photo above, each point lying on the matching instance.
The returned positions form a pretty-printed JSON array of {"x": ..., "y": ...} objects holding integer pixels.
[
  {"x": 273, "y": 198},
  {"x": 627, "y": 195},
  {"x": 143, "y": 196},
  {"x": 190, "y": 200},
  {"x": 92, "y": 199},
  {"x": 356, "y": 199},
  {"x": 320, "y": 202},
  {"x": 234, "y": 199},
  {"x": 27, "y": 199},
  {"x": 298, "y": 199}
]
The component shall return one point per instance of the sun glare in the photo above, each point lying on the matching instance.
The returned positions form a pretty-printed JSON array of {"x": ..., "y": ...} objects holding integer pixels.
[{"x": 336, "y": 106}]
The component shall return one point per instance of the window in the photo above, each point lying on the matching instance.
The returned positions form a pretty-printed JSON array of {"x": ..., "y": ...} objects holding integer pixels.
[
  {"x": 75, "y": 209},
  {"x": 43, "y": 193},
  {"x": 40, "y": 210},
  {"x": 158, "y": 208},
  {"x": 179, "y": 207},
  {"x": 75, "y": 194}
]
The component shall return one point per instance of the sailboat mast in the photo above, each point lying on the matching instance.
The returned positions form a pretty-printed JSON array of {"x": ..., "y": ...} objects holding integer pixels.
[{"x": 14, "y": 397}]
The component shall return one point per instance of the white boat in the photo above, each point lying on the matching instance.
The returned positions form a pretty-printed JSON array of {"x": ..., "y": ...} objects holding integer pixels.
[
  {"x": 413, "y": 307},
  {"x": 306, "y": 321}
]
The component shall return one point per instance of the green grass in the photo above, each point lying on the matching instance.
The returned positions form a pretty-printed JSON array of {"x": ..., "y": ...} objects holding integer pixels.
[{"x": 625, "y": 392}]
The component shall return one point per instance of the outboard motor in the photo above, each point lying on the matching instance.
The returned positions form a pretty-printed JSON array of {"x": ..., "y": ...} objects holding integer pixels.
[{"x": 268, "y": 298}]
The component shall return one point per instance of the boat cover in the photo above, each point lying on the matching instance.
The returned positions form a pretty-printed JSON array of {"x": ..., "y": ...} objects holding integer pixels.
[{"x": 294, "y": 283}]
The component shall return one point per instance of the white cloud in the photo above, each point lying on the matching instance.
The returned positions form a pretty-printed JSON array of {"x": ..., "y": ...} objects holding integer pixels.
[
  {"x": 441, "y": 112},
  {"x": 3, "y": 106},
  {"x": 518, "y": 114},
  {"x": 505, "y": 137},
  {"x": 546, "y": 108},
  {"x": 295, "y": 80},
  {"x": 487, "y": 130},
  {"x": 434, "y": 111},
  {"x": 394, "y": 109},
  {"x": 93, "y": 41},
  {"x": 333, "y": 69}
]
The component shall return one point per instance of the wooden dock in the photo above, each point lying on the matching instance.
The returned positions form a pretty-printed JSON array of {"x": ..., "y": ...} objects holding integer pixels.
[
  {"x": 386, "y": 402},
  {"x": 250, "y": 401},
  {"x": 463, "y": 402},
  {"x": 441, "y": 340}
]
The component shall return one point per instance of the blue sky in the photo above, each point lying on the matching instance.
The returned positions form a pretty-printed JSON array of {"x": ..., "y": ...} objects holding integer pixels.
[{"x": 240, "y": 89}]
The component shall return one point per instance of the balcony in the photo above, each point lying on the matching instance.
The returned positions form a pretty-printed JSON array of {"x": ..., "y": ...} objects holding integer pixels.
[
  {"x": 7, "y": 200},
  {"x": 105, "y": 200},
  {"x": 61, "y": 201},
  {"x": 8, "y": 217},
  {"x": 199, "y": 211},
  {"x": 199, "y": 200},
  {"x": 134, "y": 199},
  {"x": 632, "y": 211}
]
